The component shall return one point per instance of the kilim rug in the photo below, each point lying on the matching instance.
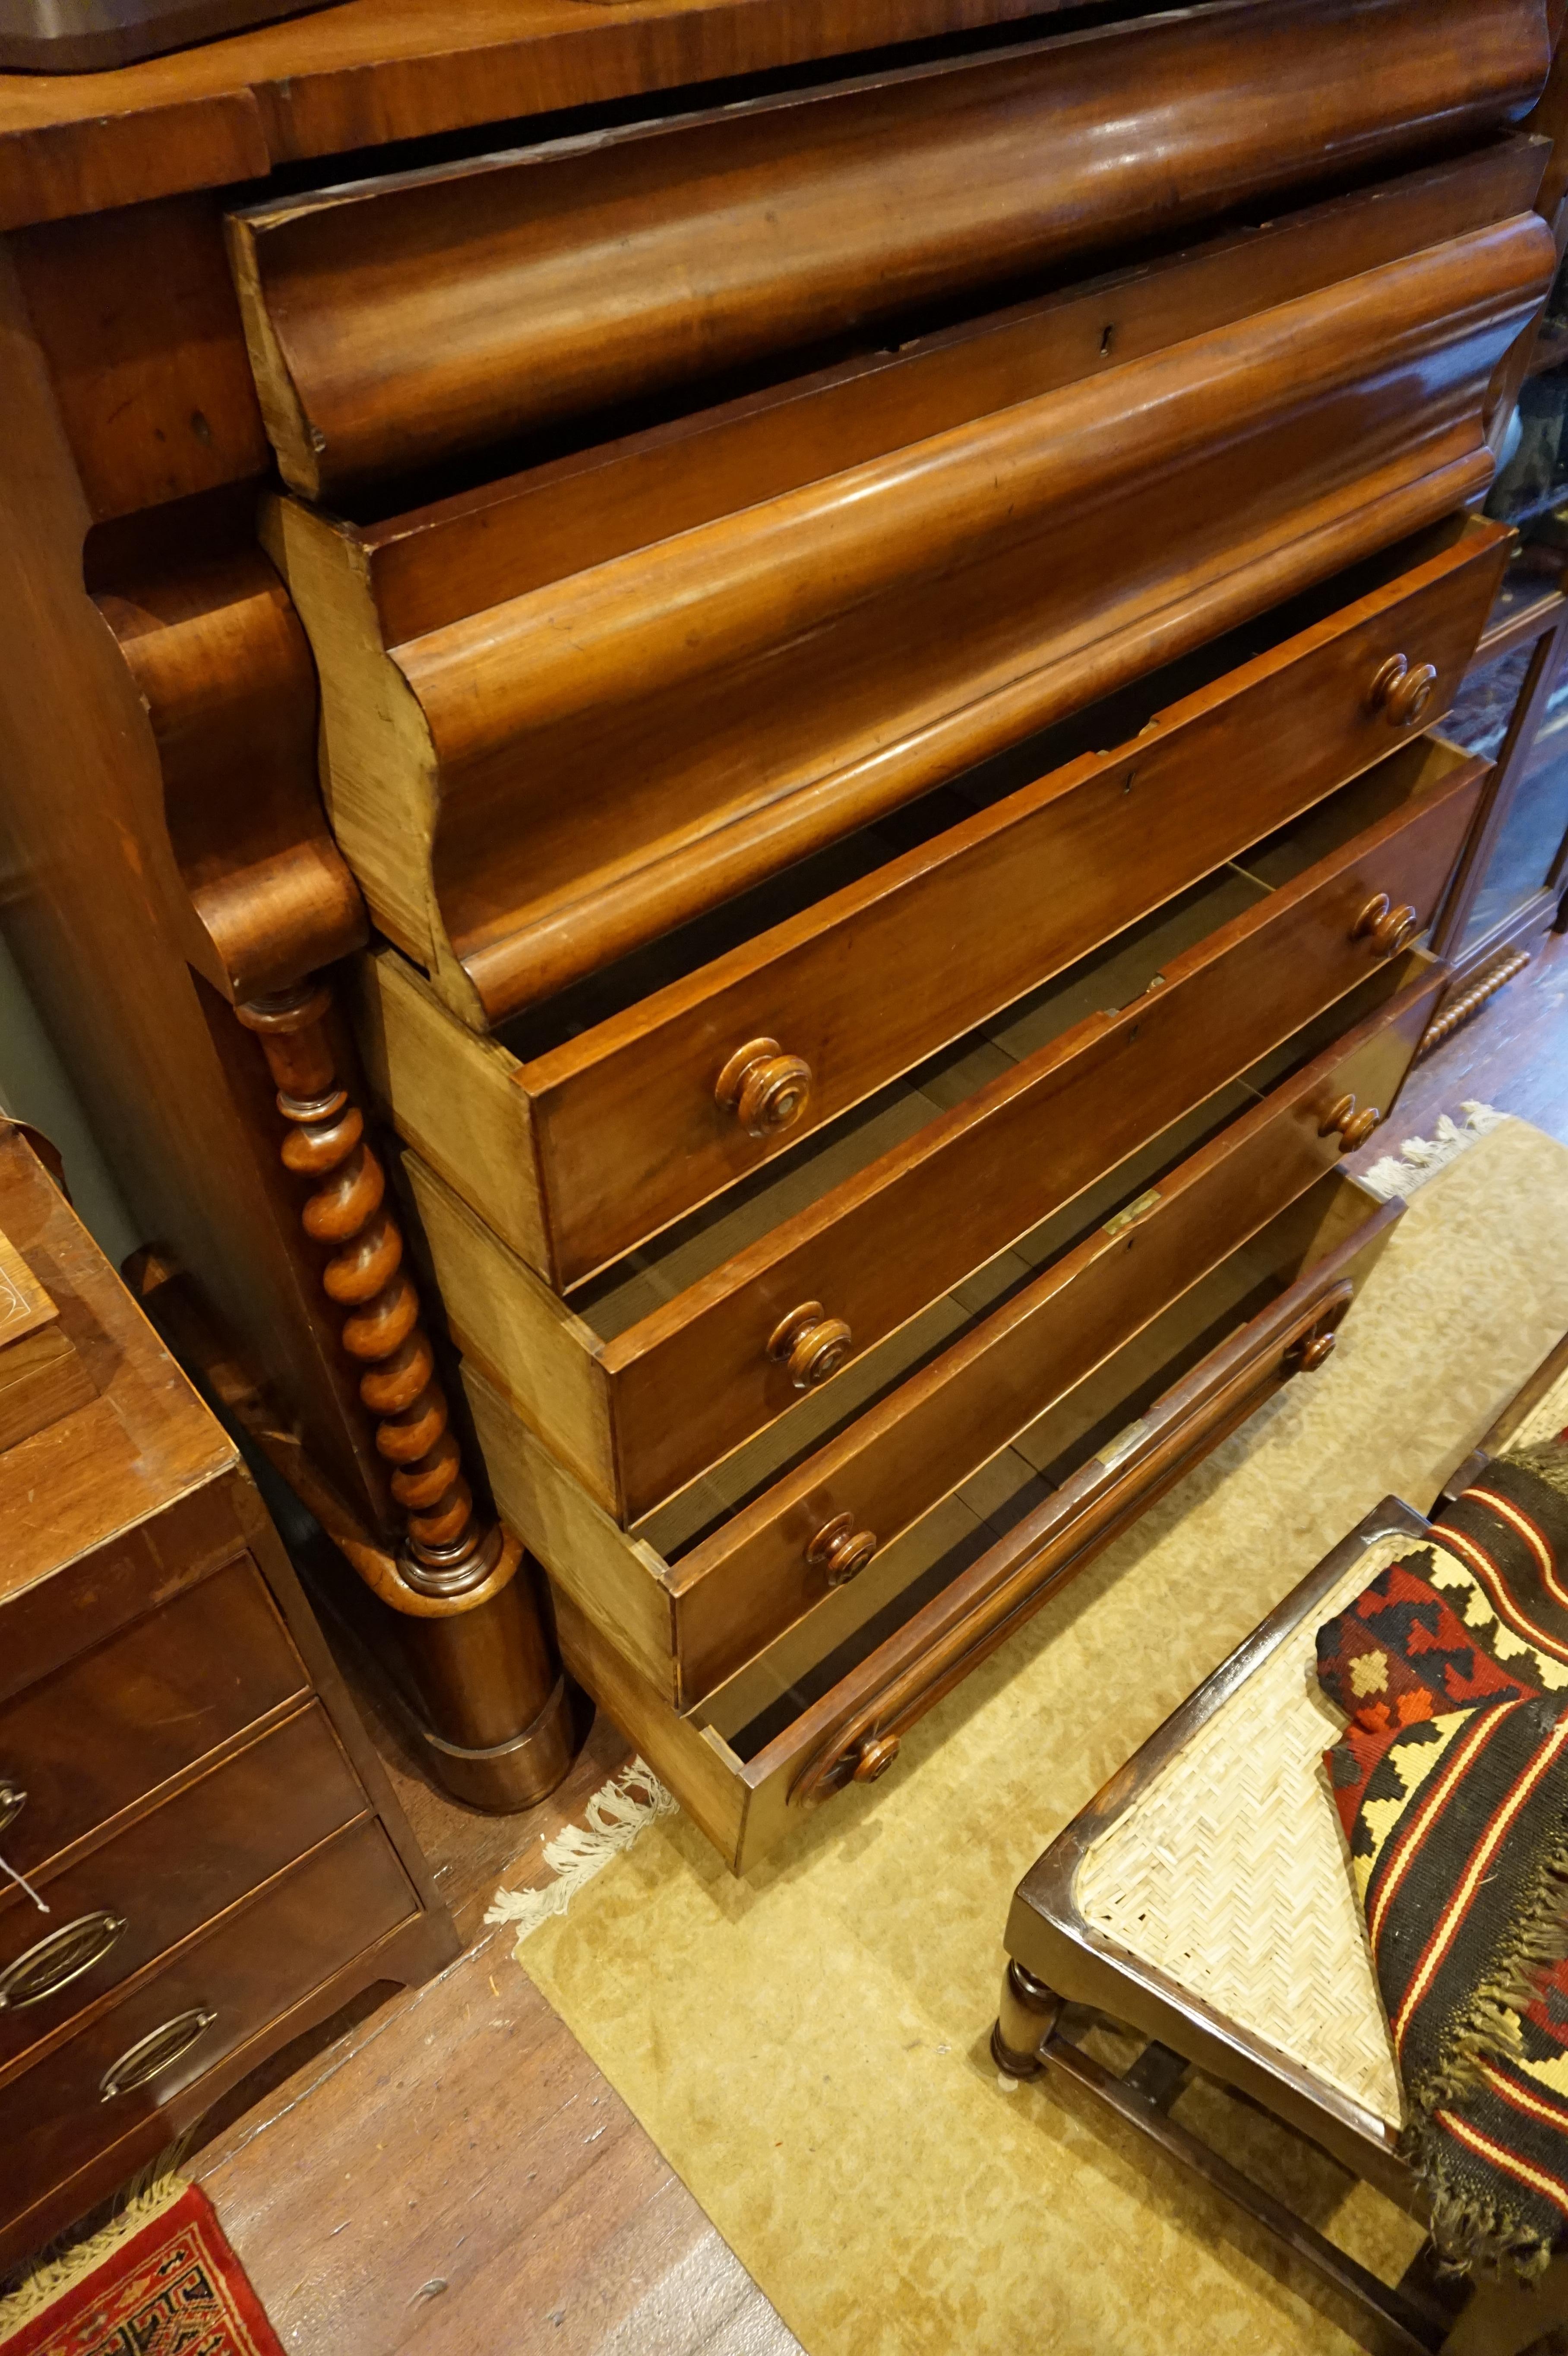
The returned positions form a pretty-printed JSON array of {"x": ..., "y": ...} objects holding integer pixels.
[{"x": 169, "y": 2286}]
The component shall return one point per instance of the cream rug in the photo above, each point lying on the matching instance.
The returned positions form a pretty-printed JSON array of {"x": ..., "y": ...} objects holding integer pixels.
[{"x": 809, "y": 2048}]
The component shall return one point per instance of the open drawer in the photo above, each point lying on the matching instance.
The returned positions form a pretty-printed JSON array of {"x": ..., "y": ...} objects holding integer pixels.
[
  {"x": 578, "y": 1131},
  {"x": 529, "y": 788},
  {"x": 676, "y": 1357},
  {"x": 827, "y": 1702},
  {"x": 698, "y": 1589}
]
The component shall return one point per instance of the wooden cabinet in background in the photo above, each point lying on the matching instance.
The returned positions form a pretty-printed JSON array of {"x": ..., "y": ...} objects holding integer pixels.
[{"x": 184, "y": 1785}]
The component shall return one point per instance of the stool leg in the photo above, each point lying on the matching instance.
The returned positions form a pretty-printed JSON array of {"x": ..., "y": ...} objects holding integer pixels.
[{"x": 1025, "y": 2020}]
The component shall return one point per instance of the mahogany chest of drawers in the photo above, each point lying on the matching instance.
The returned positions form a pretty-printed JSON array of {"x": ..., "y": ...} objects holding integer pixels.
[
  {"x": 870, "y": 646},
  {"x": 202, "y": 1856}
]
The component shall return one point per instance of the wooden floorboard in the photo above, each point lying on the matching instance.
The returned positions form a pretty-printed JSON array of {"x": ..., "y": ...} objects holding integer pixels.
[{"x": 451, "y": 2176}]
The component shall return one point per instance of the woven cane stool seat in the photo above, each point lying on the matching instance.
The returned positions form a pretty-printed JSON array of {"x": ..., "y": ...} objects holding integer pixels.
[{"x": 1227, "y": 1873}]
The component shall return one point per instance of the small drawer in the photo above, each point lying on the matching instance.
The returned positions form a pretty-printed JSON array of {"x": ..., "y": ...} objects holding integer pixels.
[
  {"x": 207, "y": 1999},
  {"x": 827, "y": 1702},
  {"x": 863, "y": 1228},
  {"x": 689, "y": 1615},
  {"x": 578, "y": 1132},
  {"x": 114, "y": 1724},
  {"x": 167, "y": 1874}
]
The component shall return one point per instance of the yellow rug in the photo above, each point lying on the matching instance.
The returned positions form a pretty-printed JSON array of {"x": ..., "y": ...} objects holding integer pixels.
[{"x": 808, "y": 2047}]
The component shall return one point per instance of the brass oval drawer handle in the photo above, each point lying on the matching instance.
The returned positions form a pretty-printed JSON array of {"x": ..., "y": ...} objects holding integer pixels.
[
  {"x": 841, "y": 1551},
  {"x": 13, "y": 1800},
  {"x": 811, "y": 1344},
  {"x": 52, "y": 1962},
  {"x": 765, "y": 1089},
  {"x": 1352, "y": 1128},
  {"x": 1403, "y": 693},
  {"x": 1389, "y": 930},
  {"x": 159, "y": 2049}
]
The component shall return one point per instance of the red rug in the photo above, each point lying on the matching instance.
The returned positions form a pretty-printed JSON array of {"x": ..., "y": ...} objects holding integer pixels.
[{"x": 174, "y": 2289}]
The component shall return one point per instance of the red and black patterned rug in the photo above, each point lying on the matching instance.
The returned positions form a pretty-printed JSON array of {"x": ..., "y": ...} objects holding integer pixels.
[{"x": 172, "y": 2288}]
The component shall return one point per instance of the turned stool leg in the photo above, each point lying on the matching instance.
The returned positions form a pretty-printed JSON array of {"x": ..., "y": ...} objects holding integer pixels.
[
  {"x": 1025, "y": 2018},
  {"x": 499, "y": 1717}
]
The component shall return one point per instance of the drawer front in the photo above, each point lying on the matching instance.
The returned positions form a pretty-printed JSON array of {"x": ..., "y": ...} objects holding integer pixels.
[
  {"x": 207, "y": 1999},
  {"x": 758, "y": 1574},
  {"x": 175, "y": 1870},
  {"x": 875, "y": 1249},
  {"x": 394, "y": 322},
  {"x": 745, "y": 1807},
  {"x": 628, "y": 1131},
  {"x": 119, "y": 1721}
]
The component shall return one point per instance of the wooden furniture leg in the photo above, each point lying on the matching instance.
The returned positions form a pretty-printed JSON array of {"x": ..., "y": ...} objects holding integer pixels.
[{"x": 498, "y": 1721}]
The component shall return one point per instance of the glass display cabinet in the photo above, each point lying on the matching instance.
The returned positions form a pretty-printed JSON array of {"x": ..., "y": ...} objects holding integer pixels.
[{"x": 1512, "y": 887}]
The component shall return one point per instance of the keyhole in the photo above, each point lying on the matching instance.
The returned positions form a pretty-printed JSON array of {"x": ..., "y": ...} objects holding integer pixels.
[{"x": 1105, "y": 340}]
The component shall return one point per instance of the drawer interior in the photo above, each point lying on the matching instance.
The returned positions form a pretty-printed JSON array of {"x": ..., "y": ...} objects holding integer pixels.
[
  {"x": 543, "y": 1031},
  {"x": 763, "y": 1700}
]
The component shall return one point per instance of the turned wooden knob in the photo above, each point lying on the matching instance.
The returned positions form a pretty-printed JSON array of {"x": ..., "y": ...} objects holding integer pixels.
[
  {"x": 765, "y": 1088},
  {"x": 812, "y": 1345},
  {"x": 1400, "y": 692},
  {"x": 841, "y": 1549},
  {"x": 1351, "y": 1126},
  {"x": 1309, "y": 1355},
  {"x": 875, "y": 1755},
  {"x": 1389, "y": 930}
]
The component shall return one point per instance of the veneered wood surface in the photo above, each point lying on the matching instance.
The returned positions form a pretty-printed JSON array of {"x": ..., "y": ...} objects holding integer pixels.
[
  {"x": 221, "y": 663},
  {"x": 878, "y": 1247},
  {"x": 483, "y": 546},
  {"x": 611, "y": 755},
  {"x": 178, "y": 1867},
  {"x": 148, "y": 1704},
  {"x": 592, "y": 1146},
  {"x": 923, "y": 1438},
  {"x": 395, "y": 325},
  {"x": 94, "y": 919},
  {"x": 370, "y": 72}
]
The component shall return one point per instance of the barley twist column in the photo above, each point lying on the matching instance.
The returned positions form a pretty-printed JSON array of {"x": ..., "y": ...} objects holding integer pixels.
[{"x": 469, "y": 1628}]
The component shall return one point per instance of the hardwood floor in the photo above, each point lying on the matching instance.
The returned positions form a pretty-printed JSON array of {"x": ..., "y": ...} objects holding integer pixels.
[{"x": 450, "y": 2175}]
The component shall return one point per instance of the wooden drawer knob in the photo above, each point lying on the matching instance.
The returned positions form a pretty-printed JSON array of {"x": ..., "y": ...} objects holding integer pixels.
[
  {"x": 765, "y": 1089},
  {"x": 1403, "y": 693},
  {"x": 875, "y": 1755},
  {"x": 1352, "y": 1128},
  {"x": 1389, "y": 930},
  {"x": 1308, "y": 1356},
  {"x": 841, "y": 1549},
  {"x": 812, "y": 1345}
]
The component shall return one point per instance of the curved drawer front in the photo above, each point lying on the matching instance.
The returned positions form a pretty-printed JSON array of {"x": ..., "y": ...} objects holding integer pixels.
[
  {"x": 828, "y": 1704},
  {"x": 204, "y": 2003},
  {"x": 167, "y": 1875},
  {"x": 584, "y": 1151},
  {"x": 868, "y": 1249},
  {"x": 533, "y": 791},
  {"x": 403, "y": 320}
]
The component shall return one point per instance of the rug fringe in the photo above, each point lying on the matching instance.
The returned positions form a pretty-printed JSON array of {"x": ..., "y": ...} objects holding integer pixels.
[
  {"x": 1421, "y": 1158},
  {"x": 617, "y": 1815},
  {"x": 40, "y": 2281}
]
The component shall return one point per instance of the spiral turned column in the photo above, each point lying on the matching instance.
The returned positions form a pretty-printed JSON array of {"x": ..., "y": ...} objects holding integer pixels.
[{"x": 469, "y": 1628}]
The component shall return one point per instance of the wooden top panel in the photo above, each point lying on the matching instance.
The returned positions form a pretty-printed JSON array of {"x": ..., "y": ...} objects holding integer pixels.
[
  {"x": 145, "y": 1442},
  {"x": 371, "y": 71}
]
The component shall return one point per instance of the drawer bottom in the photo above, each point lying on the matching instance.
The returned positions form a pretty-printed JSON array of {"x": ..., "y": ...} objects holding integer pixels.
[{"x": 827, "y": 1702}]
